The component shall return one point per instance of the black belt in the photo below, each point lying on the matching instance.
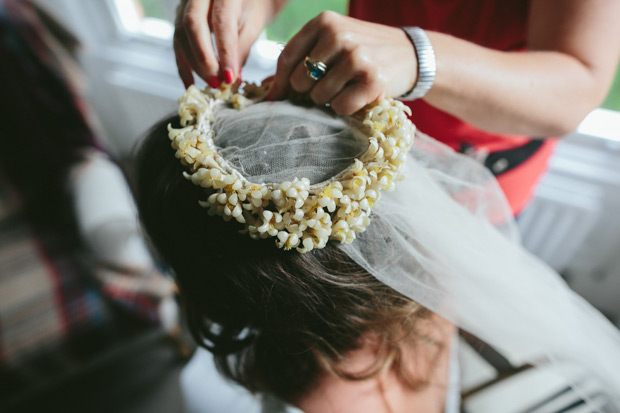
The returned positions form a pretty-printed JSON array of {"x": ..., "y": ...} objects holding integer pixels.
[{"x": 503, "y": 161}]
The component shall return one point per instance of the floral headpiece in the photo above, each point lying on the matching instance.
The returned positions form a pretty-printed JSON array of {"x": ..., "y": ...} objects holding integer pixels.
[{"x": 299, "y": 215}]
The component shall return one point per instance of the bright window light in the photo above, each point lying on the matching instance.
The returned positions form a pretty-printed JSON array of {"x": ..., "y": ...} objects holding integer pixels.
[
  {"x": 143, "y": 18},
  {"x": 162, "y": 29},
  {"x": 603, "y": 123}
]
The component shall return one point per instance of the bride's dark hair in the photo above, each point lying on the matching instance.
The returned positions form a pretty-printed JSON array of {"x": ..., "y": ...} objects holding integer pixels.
[{"x": 274, "y": 319}]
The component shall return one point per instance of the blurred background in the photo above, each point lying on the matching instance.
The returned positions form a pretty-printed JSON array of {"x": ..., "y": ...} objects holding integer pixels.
[{"x": 88, "y": 318}]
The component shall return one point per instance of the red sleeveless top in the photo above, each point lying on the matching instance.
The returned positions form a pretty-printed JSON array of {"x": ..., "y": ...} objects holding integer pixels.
[{"x": 496, "y": 24}]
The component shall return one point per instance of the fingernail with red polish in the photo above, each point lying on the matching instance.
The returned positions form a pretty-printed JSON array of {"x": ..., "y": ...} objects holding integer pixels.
[
  {"x": 228, "y": 76},
  {"x": 214, "y": 82},
  {"x": 187, "y": 79}
]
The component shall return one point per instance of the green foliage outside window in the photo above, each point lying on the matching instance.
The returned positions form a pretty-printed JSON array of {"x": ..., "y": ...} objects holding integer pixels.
[
  {"x": 153, "y": 8},
  {"x": 296, "y": 13},
  {"x": 613, "y": 98}
]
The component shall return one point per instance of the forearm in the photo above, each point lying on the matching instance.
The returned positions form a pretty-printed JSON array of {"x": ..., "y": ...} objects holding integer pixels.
[
  {"x": 545, "y": 91},
  {"x": 540, "y": 93}
]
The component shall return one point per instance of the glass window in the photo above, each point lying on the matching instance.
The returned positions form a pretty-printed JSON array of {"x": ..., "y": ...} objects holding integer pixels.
[
  {"x": 155, "y": 17},
  {"x": 296, "y": 13},
  {"x": 153, "y": 9},
  {"x": 613, "y": 98},
  {"x": 151, "y": 18}
]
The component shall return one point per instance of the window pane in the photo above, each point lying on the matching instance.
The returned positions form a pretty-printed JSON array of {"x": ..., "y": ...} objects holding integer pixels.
[
  {"x": 296, "y": 13},
  {"x": 153, "y": 8},
  {"x": 147, "y": 18},
  {"x": 613, "y": 98}
]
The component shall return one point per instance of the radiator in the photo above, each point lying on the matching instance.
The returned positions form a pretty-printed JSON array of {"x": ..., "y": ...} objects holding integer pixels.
[
  {"x": 572, "y": 223},
  {"x": 559, "y": 219}
]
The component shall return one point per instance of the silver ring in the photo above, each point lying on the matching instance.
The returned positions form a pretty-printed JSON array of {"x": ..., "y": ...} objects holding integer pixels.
[{"x": 315, "y": 69}]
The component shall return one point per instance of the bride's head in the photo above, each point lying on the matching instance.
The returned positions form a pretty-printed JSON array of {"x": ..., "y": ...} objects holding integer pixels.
[
  {"x": 287, "y": 318},
  {"x": 287, "y": 309}
]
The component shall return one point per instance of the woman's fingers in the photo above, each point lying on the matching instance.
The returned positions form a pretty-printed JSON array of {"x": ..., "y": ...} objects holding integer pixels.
[
  {"x": 336, "y": 79},
  {"x": 235, "y": 25},
  {"x": 192, "y": 24},
  {"x": 249, "y": 30},
  {"x": 296, "y": 51},
  {"x": 183, "y": 65},
  {"x": 353, "y": 98},
  {"x": 350, "y": 85},
  {"x": 348, "y": 66},
  {"x": 326, "y": 51},
  {"x": 184, "y": 56},
  {"x": 224, "y": 20},
  {"x": 365, "y": 61},
  {"x": 199, "y": 39}
]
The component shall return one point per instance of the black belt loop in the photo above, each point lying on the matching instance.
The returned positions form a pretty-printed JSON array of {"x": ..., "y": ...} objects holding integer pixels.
[{"x": 502, "y": 161}]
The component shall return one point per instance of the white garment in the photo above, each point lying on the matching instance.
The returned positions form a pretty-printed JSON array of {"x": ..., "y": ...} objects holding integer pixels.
[
  {"x": 204, "y": 389},
  {"x": 106, "y": 213}
]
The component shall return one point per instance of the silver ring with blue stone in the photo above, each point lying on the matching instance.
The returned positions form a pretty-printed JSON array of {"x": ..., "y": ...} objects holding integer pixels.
[{"x": 315, "y": 69}]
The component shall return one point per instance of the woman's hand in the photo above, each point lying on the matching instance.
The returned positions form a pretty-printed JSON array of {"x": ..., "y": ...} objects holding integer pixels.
[
  {"x": 235, "y": 25},
  {"x": 365, "y": 61}
]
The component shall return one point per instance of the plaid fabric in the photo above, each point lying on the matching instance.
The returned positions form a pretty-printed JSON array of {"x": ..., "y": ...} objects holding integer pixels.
[
  {"x": 137, "y": 293},
  {"x": 56, "y": 314},
  {"x": 44, "y": 299},
  {"x": 56, "y": 311}
]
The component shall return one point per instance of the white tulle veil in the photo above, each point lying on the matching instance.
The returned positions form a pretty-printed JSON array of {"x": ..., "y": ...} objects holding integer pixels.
[
  {"x": 445, "y": 238},
  {"x": 454, "y": 248}
]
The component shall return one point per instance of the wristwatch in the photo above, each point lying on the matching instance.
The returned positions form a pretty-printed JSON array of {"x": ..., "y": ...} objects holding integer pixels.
[{"x": 426, "y": 63}]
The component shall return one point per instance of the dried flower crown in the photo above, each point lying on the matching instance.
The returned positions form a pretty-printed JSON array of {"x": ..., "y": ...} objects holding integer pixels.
[{"x": 299, "y": 215}]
